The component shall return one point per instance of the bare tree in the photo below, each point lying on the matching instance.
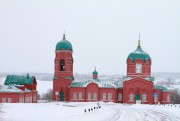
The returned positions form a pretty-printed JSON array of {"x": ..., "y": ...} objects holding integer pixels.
[
  {"x": 48, "y": 95},
  {"x": 176, "y": 96},
  {"x": 38, "y": 96}
]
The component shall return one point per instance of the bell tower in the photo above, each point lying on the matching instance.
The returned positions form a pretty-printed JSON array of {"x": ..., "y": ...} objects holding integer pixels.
[{"x": 63, "y": 72}]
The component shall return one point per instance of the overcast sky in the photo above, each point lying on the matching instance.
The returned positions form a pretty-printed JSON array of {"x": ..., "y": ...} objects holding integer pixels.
[{"x": 102, "y": 32}]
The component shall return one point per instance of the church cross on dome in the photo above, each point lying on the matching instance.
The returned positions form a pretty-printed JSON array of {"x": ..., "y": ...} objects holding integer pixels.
[
  {"x": 64, "y": 35},
  {"x": 139, "y": 42}
]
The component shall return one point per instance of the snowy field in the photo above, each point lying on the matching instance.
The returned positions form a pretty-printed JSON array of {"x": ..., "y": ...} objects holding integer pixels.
[{"x": 75, "y": 112}]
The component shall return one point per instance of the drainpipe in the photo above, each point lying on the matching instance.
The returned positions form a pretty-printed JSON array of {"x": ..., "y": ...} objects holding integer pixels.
[
  {"x": 24, "y": 96},
  {"x": 85, "y": 94},
  {"x": 99, "y": 94}
]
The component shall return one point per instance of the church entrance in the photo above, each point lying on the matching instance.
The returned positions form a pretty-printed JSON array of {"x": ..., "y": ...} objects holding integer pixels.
[
  {"x": 61, "y": 96},
  {"x": 138, "y": 101},
  {"x": 137, "y": 96}
]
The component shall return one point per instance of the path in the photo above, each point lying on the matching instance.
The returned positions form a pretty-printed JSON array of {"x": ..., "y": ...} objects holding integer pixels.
[{"x": 141, "y": 113}]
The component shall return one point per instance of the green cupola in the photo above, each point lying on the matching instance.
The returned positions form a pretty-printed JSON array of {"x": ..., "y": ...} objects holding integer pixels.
[
  {"x": 95, "y": 72},
  {"x": 139, "y": 53},
  {"x": 64, "y": 44}
]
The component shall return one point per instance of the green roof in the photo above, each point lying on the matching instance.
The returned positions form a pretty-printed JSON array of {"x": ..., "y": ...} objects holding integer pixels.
[
  {"x": 164, "y": 89},
  {"x": 95, "y": 72},
  {"x": 139, "y": 53},
  {"x": 19, "y": 80},
  {"x": 64, "y": 44}
]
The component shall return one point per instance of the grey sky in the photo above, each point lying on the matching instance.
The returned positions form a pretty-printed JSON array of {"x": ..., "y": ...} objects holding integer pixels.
[{"x": 102, "y": 32}]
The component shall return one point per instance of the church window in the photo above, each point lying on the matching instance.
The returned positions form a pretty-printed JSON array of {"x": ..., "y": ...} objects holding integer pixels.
[
  {"x": 120, "y": 97},
  {"x": 131, "y": 97},
  {"x": 104, "y": 96},
  {"x": 80, "y": 95},
  {"x": 3, "y": 100},
  {"x": 109, "y": 96},
  {"x": 138, "y": 68},
  {"x": 95, "y": 96},
  {"x": 30, "y": 99},
  {"x": 168, "y": 98},
  {"x": 9, "y": 100},
  {"x": 62, "y": 65},
  {"x": 89, "y": 96},
  {"x": 144, "y": 98},
  {"x": 74, "y": 95}
]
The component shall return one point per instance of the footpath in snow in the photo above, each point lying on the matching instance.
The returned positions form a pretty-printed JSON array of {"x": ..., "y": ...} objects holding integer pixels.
[{"x": 76, "y": 112}]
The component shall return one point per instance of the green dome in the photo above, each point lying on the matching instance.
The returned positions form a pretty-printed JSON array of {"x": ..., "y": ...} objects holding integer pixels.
[
  {"x": 95, "y": 72},
  {"x": 64, "y": 44},
  {"x": 139, "y": 53}
]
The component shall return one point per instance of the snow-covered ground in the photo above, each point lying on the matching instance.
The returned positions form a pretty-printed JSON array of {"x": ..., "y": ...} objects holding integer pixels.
[{"x": 75, "y": 112}]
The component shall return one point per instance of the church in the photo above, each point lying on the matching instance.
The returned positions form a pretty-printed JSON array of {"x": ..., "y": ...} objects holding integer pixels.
[{"x": 136, "y": 87}]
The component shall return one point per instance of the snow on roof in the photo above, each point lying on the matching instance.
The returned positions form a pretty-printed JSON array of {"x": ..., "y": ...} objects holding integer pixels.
[
  {"x": 100, "y": 83},
  {"x": 12, "y": 88},
  {"x": 27, "y": 90},
  {"x": 9, "y": 88}
]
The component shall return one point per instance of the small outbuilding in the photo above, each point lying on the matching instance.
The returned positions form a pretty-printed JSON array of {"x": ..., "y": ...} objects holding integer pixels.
[{"x": 19, "y": 89}]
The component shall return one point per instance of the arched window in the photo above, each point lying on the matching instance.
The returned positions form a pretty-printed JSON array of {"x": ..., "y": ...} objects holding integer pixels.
[
  {"x": 144, "y": 98},
  {"x": 138, "y": 68},
  {"x": 89, "y": 96},
  {"x": 131, "y": 97},
  {"x": 104, "y": 96},
  {"x": 74, "y": 95},
  {"x": 168, "y": 98},
  {"x": 109, "y": 96},
  {"x": 80, "y": 95},
  {"x": 62, "y": 65},
  {"x": 95, "y": 96},
  {"x": 120, "y": 97}
]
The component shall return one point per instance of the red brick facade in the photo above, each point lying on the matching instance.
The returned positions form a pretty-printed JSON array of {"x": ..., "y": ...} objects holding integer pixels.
[{"x": 137, "y": 85}]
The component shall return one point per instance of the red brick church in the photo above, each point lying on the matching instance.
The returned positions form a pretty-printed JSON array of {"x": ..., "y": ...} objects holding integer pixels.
[{"x": 136, "y": 87}]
